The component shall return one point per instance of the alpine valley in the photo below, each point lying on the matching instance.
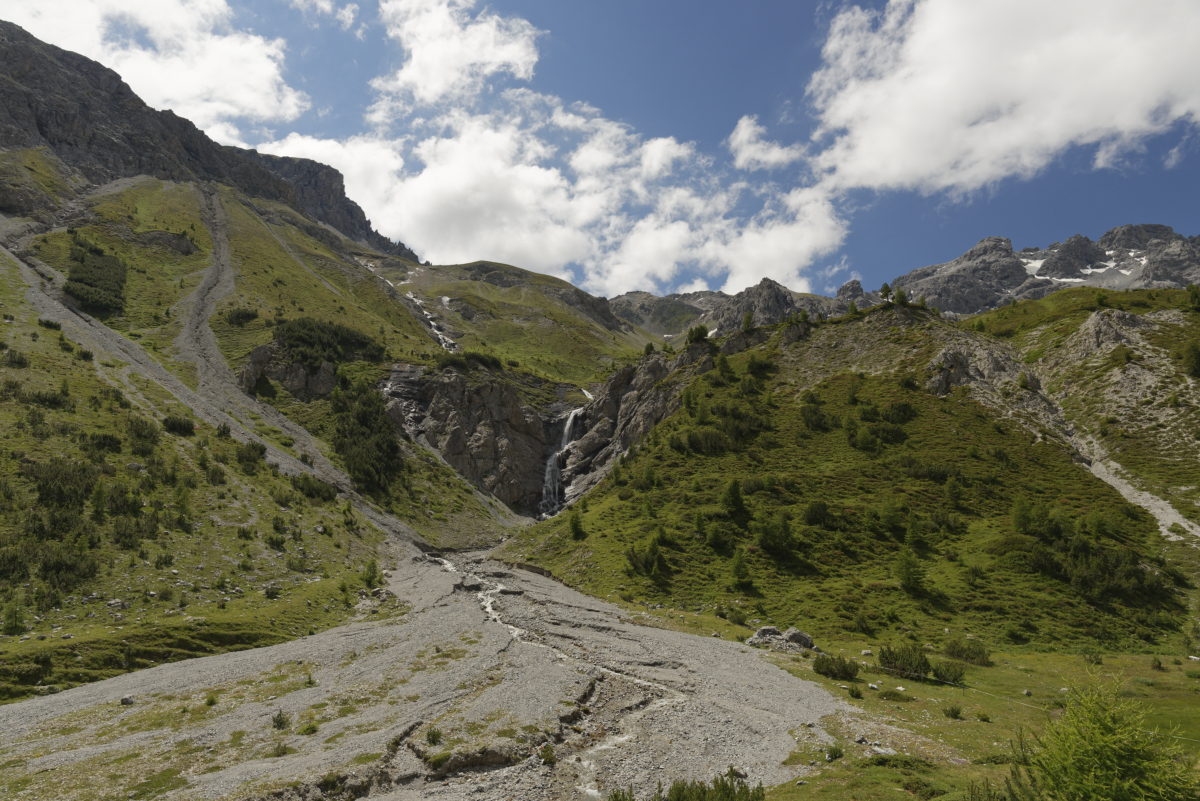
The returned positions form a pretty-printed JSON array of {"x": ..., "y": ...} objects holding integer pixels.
[{"x": 288, "y": 513}]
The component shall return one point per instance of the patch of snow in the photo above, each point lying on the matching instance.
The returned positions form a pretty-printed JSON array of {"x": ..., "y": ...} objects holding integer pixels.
[
  {"x": 1032, "y": 267},
  {"x": 1068, "y": 280},
  {"x": 1125, "y": 272},
  {"x": 1098, "y": 267},
  {"x": 445, "y": 301},
  {"x": 1109, "y": 252}
]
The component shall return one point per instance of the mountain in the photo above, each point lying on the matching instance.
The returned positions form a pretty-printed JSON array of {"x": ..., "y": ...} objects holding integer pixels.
[
  {"x": 286, "y": 513},
  {"x": 990, "y": 274}
]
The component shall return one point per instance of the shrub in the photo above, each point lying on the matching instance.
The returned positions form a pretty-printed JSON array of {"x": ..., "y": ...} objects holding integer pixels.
[
  {"x": 365, "y": 437},
  {"x": 954, "y": 712},
  {"x": 835, "y": 752},
  {"x": 447, "y": 359},
  {"x": 275, "y": 541},
  {"x": 433, "y": 735},
  {"x": 906, "y": 660},
  {"x": 546, "y": 754},
  {"x": 313, "y": 487},
  {"x": 178, "y": 424},
  {"x": 855, "y": 692},
  {"x": 51, "y": 324},
  {"x": 239, "y": 317},
  {"x": 895, "y": 695},
  {"x": 280, "y": 720},
  {"x": 949, "y": 672},
  {"x": 697, "y": 334},
  {"x": 835, "y": 667},
  {"x": 309, "y": 728},
  {"x": 312, "y": 342},
  {"x": 372, "y": 576},
  {"x": 95, "y": 278},
  {"x": 272, "y": 593},
  {"x": 971, "y": 651},
  {"x": 15, "y": 359},
  {"x": 816, "y": 513},
  {"x": 249, "y": 454},
  {"x": 729, "y": 787}
]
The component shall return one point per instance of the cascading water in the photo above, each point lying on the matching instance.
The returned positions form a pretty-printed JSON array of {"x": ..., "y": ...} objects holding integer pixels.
[{"x": 552, "y": 483}]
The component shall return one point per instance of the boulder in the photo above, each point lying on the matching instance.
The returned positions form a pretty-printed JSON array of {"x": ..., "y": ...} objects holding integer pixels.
[{"x": 797, "y": 637}]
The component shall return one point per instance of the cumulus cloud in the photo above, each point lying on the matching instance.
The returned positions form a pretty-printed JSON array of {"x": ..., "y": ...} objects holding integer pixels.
[
  {"x": 177, "y": 54},
  {"x": 938, "y": 95},
  {"x": 750, "y": 152},
  {"x": 449, "y": 54}
]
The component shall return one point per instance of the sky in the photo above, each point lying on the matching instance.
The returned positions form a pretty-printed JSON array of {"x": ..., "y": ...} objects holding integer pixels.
[{"x": 673, "y": 146}]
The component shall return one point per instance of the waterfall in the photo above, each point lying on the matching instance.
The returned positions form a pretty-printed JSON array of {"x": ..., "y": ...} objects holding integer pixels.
[{"x": 552, "y": 482}]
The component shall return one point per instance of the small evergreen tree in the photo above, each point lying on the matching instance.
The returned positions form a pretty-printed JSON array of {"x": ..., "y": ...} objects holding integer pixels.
[
  {"x": 575, "y": 522},
  {"x": 14, "y": 617},
  {"x": 649, "y": 349},
  {"x": 1101, "y": 750},
  {"x": 853, "y": 309},
  {"x": 885, "y": 291},
  {"x": 747, "y": 322},
  {"x": 909, "y": 572},
  {"x": 901, "y": 298},
  {"x": 739, "y": 568},
  {"x": 1191, "y": 359},
  {"x": 731, "y": 498}
]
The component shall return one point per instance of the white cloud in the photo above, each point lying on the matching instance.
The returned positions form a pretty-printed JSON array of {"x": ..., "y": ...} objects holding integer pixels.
[
  {"x": 939, "y": 95},
  {"x": 448, "y": 53},
  {"x": 750, "y": 152},
  {"x": 344, "y": 15},
  {"x": 176, "y": 54}
]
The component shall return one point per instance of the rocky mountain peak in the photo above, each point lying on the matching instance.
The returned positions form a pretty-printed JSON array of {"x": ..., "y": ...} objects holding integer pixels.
[
  {"x": 1136, "y": 237},
  {"x": 851, "y": 290}
]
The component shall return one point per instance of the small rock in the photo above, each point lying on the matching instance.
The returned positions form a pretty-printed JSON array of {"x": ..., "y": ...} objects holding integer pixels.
[
  {"x": 135, "y": 466},
  {"x": 127, "y": 700},
  {"x": 873, "y": 686},
  {"x": 716, "y": 634},
  {"x": 867, "y": 652},
  {"x": 321, "y": 530},
  {"x": 1026, "y": 693},
  {"x": 738, "y": 772},
  {"x": 801, "y": 783},
  {"x": 469, "y": 584},
  {"x": 1194, "y": 658},
  {"x": 1064, "y": 689},
  {"x": 768, "y": 631},
  {"x": 883, "y": 752},
  {"x": 68, "y": 636},
  {"x": 174, "y": 572},
  {"x": 798, "y": 637},
  {"x": 899, "y": 689}
]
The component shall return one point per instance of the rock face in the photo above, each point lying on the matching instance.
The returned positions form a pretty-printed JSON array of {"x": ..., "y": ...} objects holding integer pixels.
[
  {"x": 667, "y": 316},
  {"x": 95, "y": 129},
  {"x": 771, "y": 302},
  {"x": 321, "y": 191},
  {"x": 486, "y": 430},
  {"x": 990, "y": 274},
  {"x": 481, "y": 427},
  {"x": 304, "y": 383}
]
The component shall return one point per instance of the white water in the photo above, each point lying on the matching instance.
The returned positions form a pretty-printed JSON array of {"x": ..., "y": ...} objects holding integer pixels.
[
  {"x": 552, "y": 480},
  {"x": 446, "y": 342},
  {"x": 587, "y": 394}
]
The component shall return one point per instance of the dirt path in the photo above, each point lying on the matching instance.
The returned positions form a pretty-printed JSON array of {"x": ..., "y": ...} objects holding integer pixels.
[{"x": 487, "y": 654}]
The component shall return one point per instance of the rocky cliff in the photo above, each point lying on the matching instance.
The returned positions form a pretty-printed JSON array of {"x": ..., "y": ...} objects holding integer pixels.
[
  {"x": 321, "y": 191},
  {"x": 991, "y": 273},
  {"x": 92, "y": 128},
  {"x": 770, "y": 302}
]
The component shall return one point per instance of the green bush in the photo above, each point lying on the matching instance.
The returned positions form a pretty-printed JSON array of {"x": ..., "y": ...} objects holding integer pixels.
[
  {"x": 950, "y": 672},
  {"x": 96, "y": 279},
  {"x": 178, "y": 424},
  {"x": 313, "y": 342},
  {"x": 906, "y": 660},
  {"x": 954, "y": 712},
  {"x": 972, "y": 651},
  {"x": 240, "y": 317},
  {"x": 835, "y": 667},
  {"x": 280, "y": 720},
  {"x": 365, "y": 437},
  {"x": 313, "y": 487},
  {"x": 575, "y": 524}
]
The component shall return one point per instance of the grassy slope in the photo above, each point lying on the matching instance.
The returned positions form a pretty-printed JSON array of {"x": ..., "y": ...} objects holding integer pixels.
[
  {"x": 525, "y": 322},
  {"x": 154, "y": 630},
  {"x": 1037, "y": 625},
  {"x": 1153, "y": 438}
]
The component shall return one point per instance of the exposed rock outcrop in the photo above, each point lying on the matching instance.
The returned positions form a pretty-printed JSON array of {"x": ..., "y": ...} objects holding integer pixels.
[
  {"x": 321, "y": 191},
  {"x": 269, "y": 361},
  {"x": 770, "y": 302},
  {"x": 96, "y": 129}
]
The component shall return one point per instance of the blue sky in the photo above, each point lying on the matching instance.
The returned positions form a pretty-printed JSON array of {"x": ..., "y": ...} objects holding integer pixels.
[{"x": 680, "y": 145}]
